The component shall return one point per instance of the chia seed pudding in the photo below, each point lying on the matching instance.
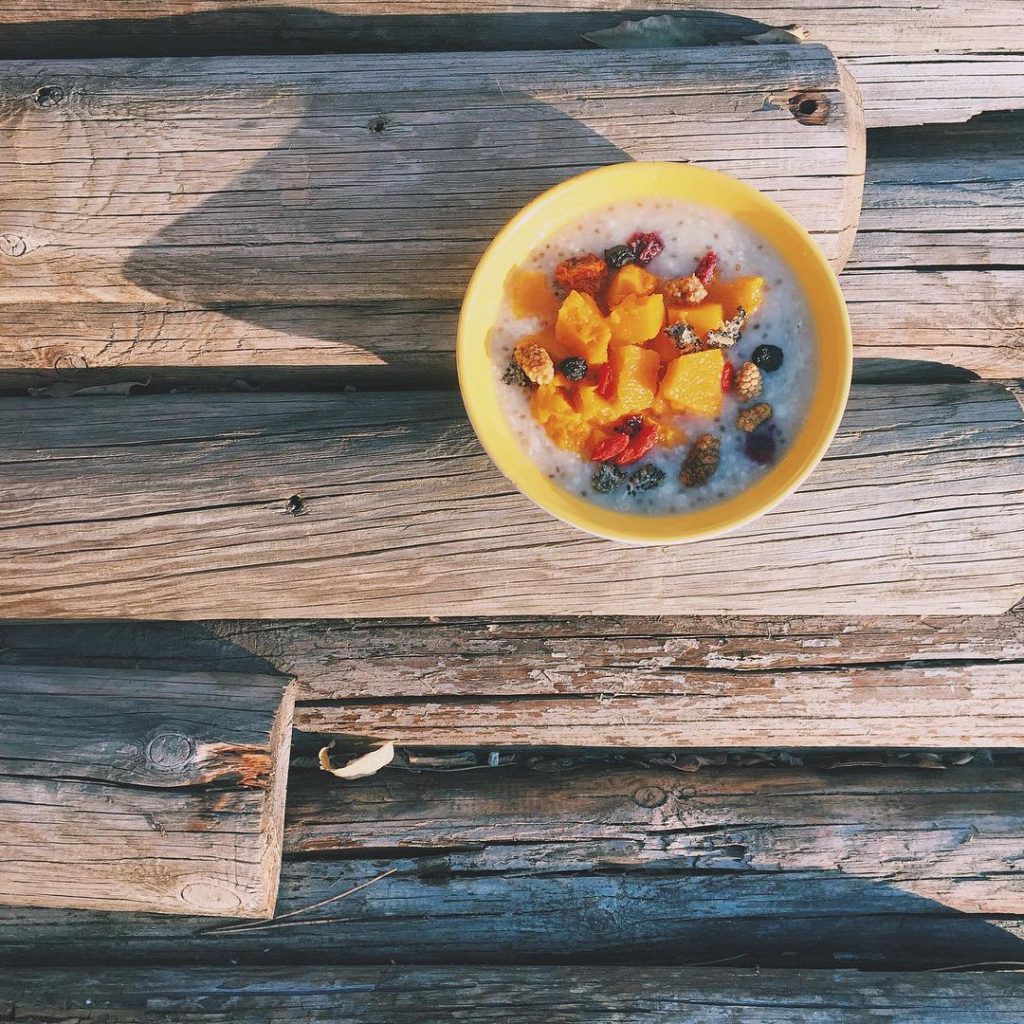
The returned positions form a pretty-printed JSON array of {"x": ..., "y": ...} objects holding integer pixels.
[{"x": 654, "y": 357}]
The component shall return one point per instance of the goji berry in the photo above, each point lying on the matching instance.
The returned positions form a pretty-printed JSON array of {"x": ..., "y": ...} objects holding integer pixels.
[
  {"x": 645, "y": 245},
  {"x": 609, "y": 448},
  {"x": 629, "y": 425},
  {"x": 606, "y": 381},
  {"x": 639, "y": 446},
  {"x": 728, "y": 376},
  {"x": 707, "y": 267}
]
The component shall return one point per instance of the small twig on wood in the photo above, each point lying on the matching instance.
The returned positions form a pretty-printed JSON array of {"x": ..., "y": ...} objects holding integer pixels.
[
  {"x": 981, "y": 963},
  {"x": 276, "y": 923}
]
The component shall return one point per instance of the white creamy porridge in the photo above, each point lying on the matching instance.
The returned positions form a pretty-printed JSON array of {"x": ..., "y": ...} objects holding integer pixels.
[{"x": 780, "y": 326}]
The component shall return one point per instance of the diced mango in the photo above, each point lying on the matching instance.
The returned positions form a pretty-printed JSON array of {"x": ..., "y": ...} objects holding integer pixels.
[
  {"x": 693, "y": 383},
  {"x": 531, "y": 294},
  {"x": 636, "y": 320},
  {"x": 550, "y": 400},
  {"x": 747, "y": 292},
  {"x": 582, "y": 329},
  {"x": 596, "y": 409},
  {"x": 636, "y": 377},
  {"x": 708, "y": 316},
  {"x": 569, "y": 432},
  {"x": 632, "y": 279},
  {"x": 545, "y": 337},
  {"x": 669, "y": 435}
]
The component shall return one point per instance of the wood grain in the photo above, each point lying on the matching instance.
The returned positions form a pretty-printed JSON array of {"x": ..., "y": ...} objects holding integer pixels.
[
  {"x": 594, "y": 682},
  {"x": 130, "y": 28},
  {"x": 933, "y": 286},
  {"x": 142, "y": 791},
  {"x": 175, "y": 506},
  {"x": 226, "y": 180},
  {"x": 631, "y": 864},
  {"x": 536, "y": 995},
  {"x": 952, "y": 837}
]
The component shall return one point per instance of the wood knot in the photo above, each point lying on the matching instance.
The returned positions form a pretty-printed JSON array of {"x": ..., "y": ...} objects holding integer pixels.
[
  {"x": 812, "y": 108},
  {"x": 210, "y": 898},
  {"x": 650, "y": 797},
  {"x": 170, "y": 751},
  {"x": 13, "y": 245},
  {"x": 378, "y": 124},
  {"x": 49, "y": 96}
]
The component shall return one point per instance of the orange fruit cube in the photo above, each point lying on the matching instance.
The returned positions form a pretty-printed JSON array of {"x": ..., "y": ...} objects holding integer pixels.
[
  {"x": 693, "y": 383},
  {"x": 636, "y": 377},
  {"x": 708, "y": 316},
  {"x": 632, "y": 279},
  {"x": 595, "y": 409},
  {"x": 637, "y": 319},
  {"x": 531, "y": 295},
  {"x": 747, "y": 292},
  {"x": 582, "y": 329}
]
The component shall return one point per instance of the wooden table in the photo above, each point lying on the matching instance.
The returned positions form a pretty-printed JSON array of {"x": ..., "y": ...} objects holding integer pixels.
[{"x": 627, "y": 787}]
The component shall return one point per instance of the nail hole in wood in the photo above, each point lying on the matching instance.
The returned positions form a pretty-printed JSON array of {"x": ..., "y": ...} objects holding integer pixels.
[
  {"x": 49, "y": 95},
  {"x": 810, "y": 108}
]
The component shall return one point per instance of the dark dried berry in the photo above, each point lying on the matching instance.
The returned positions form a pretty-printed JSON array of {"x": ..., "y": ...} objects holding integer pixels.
[
  {"x": 607, "y": 479},
  {"x": 707, "y": 267},
  {"x": 645, "y": 479},
  {"x": 618, "y": 256},
  {"x": 762, "y": 445},
  {"x": 573, "y": 368},
  {"x": 645, "y": 245},
  {"x": 631, "y": 425},
  {"x": 515, "y": 376},
  {"x": 767, "y": 357},
  {"x": 686, "y": 338}
]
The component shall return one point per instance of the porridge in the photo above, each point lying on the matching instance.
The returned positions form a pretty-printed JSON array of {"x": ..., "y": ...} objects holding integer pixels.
[{"x": 654, "y": 357}]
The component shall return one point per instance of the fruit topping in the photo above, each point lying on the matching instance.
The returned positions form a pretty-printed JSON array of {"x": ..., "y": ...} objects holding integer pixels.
[
  {"x": 707, "y": 267},
  {"x": 762, "y": 445},
  {"x": 728, "y": 376},
  {"x": 629, "y": 425},
  {"x": 535, "y": 362},
  {"x": 768, "y": 357},
  {"x": 748, "y": 382},
  {"x": 685, "y": 291},
  {"x": 646, "y": 478},
  {"x": 750, "y": 419},
  {"x": 514, "y": 375},
  {"x": 729, "y": 333},
  {"x": 587, "y": 273},
  {"x": 610, "y": 448},
  {"x": 685, "y": 337},
  {"x": 573, "y": 368},
  {"x": 701, "y": 461},
  {"x": 618, "y": 256},
  {"x": 645, "y": 245},
  {"x": 639, "y": 445},
  {"x": 607, "y": 479}
]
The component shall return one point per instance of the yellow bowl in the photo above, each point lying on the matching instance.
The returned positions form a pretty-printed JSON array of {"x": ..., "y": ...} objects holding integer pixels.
[{"x": 573, "y": 199}]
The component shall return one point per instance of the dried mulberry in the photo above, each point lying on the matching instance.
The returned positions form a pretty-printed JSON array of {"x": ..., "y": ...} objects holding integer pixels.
[
  {"x": 748, "y": 383},
  {"x": 588, "y": 273},
  {"x": 573, "y": 368},
  {"x": 646, "y": 478},
  {"x": 685, "y": 291},
  {"x": 686, "y": 338},
  {"x": 514, "y": 375},
  {"x": 768, "y": 357},
  {"x": 534, "y": 361},
  {"x": 701, "y": 462},
  {"x": 607, "y": 479},
  {"x": 750, "y": 419}
]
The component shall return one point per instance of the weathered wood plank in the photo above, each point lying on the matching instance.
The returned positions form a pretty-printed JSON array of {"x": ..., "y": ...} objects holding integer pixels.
[
  {"x": 933, "y": 285},
  {"x": 173, "y": 506},
  {"x": 144, "y": 791},
  {"x": 790, "y": 867},
  {"x": 952, "y": 837},
  {"x": 887, "y": 681},
  {"x": 225, "y": 180},
  {"x": 126, "y": 27},
  {"x": 659, "y": 995}
]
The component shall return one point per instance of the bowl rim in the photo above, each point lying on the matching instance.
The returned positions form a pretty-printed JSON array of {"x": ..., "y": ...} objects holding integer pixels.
[{"x": 629, "y": 527}]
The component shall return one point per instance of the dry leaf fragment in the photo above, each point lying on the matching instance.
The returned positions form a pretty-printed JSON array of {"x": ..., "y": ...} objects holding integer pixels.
[
  {"x": 361, "y": 767},
  {"x": 779, "y": 36}
]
